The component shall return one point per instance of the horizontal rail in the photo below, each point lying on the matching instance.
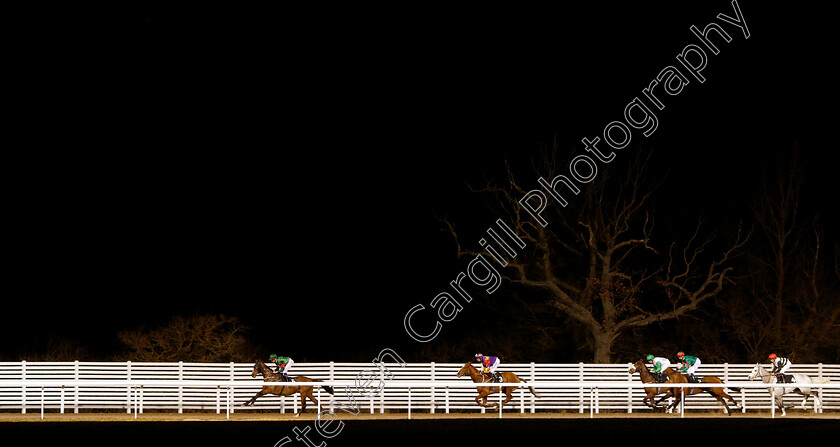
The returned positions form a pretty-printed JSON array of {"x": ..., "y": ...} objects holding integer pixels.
[{"x": 394, "y": 383}]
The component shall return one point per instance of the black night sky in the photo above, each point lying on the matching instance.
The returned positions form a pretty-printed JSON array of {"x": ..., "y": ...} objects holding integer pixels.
[{"x": 287, "y": 167}]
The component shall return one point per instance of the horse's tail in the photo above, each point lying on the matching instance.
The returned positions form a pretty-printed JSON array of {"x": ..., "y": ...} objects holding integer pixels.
[
  {"x": 734, "y": 389},
  {"x": 821, "y": 380},
  {"x": 531, "y": 389},
  {"x": 326, "y": 388}
]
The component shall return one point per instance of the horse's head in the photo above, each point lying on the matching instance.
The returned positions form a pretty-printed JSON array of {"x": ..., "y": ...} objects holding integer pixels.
[
  {"x": 637, "y": 367},
  {"x": 259, "y": 367},
  {"x": 467, "y": 369},
  {"x": 756, "y": 372}
]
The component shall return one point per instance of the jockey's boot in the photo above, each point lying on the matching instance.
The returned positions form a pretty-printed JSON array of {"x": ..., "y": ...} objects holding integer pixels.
[{"x": 693, "y": 379}]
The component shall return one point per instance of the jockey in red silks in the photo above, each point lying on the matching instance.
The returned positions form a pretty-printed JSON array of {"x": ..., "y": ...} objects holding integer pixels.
[{"x": 489, "y": 364}]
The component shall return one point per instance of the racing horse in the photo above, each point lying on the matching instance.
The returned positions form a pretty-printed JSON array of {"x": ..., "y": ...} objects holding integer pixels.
[
  {"x": 285, "y": 390},
  {"x": 797, "y": 379},
  {"x": 651, "y": 392},
  {"x": 484, "y": 391},
  {"x": 717, "y": 392}
]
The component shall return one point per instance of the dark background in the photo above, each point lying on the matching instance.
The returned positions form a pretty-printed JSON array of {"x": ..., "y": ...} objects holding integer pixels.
[{"x": 287, "y": 166}]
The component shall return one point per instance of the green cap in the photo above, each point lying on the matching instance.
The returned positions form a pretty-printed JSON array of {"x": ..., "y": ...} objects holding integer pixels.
[
  {"x": 650, "y": 357},
  {"x": 272, "y": 357}
]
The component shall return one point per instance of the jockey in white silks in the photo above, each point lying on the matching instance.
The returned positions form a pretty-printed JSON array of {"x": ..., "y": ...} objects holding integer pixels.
[{"x": 780, "y": 366}]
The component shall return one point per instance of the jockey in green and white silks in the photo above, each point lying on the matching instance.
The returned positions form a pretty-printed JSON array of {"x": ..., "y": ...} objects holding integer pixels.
[
  {"x": 660, "y": 364},
  {"x": 690, "y": 364},
  {"x": 284, "y": 364}
]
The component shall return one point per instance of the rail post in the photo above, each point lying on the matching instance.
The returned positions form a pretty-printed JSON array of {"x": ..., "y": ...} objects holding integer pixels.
[
  {"x": 332, "y": 377},
  {"x": 629, "y": 389},
  {"x": 446, "y": 396},
  {"x": 580, "y": 390},
  {"x": 23, "y": 388},
  {"x": 61, "y": 401},
  {"x": 128, "y": 388},
  {"x": 76, "y": 388},
  {"x": 42, "y": 402},
  {"x": 533, "y": 379},
  {"x": 231, "y": 408},
  {"x": 180, "y": 388},
  {"x": 819, "y": 390},
  {"x": 500, "y": 401},
  {"x": 432, "y": 391}
]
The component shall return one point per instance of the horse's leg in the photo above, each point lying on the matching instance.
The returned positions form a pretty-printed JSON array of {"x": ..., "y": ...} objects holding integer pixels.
[
  {"x": 731, "y": 399},
  {"x": 302, "y": 404},
  {"x": 805, "y": 401},
  {"x": 254, "y": 399},
  {"x": 679, "y": 398},
  {"x": 493, "y": 404},
  {"x": 718, "y": 395},
  {"x": 509, "y": 394},
  {"x": 817, "y": 403}
]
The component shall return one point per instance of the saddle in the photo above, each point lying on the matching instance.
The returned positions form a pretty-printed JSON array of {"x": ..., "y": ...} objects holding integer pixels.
[
  {"x": 785, "y": 378},
  {"x": 692, "y": 379},
  {"x": 493, "y": 377}
]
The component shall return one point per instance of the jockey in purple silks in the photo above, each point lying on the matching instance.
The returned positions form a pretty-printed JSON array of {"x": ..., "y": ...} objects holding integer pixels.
[{"x": 489, "y": 364}]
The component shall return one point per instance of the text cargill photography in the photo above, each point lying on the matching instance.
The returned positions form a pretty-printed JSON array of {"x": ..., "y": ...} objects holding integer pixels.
[{"x": 331, "y": 224}]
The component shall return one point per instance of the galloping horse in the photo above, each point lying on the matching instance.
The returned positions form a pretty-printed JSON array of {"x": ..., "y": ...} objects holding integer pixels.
[
  {"x": 680, "y": 393},
  {"x": 484, "y": 391},
  {"x": 718, "y": 393},
  {"x": 798, "y": 380},
  {"x": 651, "y": 392},
  {"x": 284, "y": 390}
]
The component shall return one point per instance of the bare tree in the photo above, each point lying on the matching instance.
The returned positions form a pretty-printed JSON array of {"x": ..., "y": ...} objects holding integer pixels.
[
  {"x": 597, "y": 265},
  {"x": 789, "y": 300},
  {"x": 205, "y": 338}
]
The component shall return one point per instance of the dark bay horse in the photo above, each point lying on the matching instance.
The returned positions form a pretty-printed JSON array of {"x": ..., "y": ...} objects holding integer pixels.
[
  {"x": 484, "y": 391},
  {"x": 285, "y": 390}
]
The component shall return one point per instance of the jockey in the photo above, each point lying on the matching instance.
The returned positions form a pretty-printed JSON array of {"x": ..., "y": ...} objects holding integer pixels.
[
  {"x": 689, "y": 364},
  {"x": 489, "y": 365},
  {"x": 780, "y": 365},
  {"x": 660, "y": 364},
  {"x": 284, "y": 364}
]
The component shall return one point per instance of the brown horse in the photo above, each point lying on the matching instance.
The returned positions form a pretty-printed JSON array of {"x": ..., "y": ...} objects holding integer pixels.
[
  {"x": 718, "y": 393},
  {"x": 651, "y": 392},
  {"x": 484, "y": 391},
  {"x": 284, "y": 390},
  {"x": 680, "y": 393}
]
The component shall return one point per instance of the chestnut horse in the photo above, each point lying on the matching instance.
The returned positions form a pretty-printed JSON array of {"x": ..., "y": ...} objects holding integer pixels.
[
  {"x": 484, "y": 391},
  {"x": 284, "y": 390}
]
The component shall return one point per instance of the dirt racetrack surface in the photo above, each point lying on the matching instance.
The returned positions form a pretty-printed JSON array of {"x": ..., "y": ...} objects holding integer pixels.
[{"x": 271, "y": 430}]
